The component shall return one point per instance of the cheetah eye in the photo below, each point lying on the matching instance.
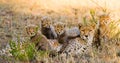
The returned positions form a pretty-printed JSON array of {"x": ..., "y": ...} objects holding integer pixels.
[
  {"x": 105, "y": 22},
  {"x": 41, "y": 21},
  {"x": 61, "y": 28},
  {"x": 82, "y": 30},
  {"x": 90, "y": 30},
  {"x": 82, "y": 50}
]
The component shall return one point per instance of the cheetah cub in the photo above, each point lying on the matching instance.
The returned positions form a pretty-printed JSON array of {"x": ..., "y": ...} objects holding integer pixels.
[
  {"x": 102, "y": 30},
  {"x": 40, "y": 41},
  {"x": 62, "y": 35},
  {"x": 47, "y": 29},
  {"x": 104, "y": 21}
]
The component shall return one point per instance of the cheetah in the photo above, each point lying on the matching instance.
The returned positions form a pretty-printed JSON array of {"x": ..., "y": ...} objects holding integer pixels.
[
  {"x": 47, "y": 29},
  {"x": 102, "y": 30},
  {"x": 104, "y": 21},
  {"x": 40, "y": 41},
  {"x": 63, "y": 35},
  {"x": 87, "y": 33},
  {"x": 80, "y": 44}
]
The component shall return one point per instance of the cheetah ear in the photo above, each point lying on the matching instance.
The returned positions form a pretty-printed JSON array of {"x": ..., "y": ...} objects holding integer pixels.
[
  {"x": 53, "y": 22},
  {"x": 42, "y": 19},
  {"x": 79, "y": 25}
]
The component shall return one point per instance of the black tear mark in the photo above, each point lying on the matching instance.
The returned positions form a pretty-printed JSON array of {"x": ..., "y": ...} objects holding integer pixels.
[
  {"x": 83, "y": 51},
  {"x": 75, "y": 49},
  {"x": 84, "y": 48},
  {"x": 69, "y": 51}
]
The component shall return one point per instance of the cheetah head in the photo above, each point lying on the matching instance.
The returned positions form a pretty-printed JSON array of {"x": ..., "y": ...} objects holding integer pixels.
[
  {"x": 46, "y": 22},
  {"x": 104, "y": 19},
  {"x": 87, "y": 32},
  {"x": 59, "y": 27},
  {"x": 31, "y": 30}
]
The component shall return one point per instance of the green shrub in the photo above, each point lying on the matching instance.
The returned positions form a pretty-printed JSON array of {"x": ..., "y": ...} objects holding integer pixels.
[{"x": 25, "y": 51}]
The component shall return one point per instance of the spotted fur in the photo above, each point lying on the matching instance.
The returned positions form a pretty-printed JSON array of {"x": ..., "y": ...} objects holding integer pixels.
[{"x": 80, "y": 44}]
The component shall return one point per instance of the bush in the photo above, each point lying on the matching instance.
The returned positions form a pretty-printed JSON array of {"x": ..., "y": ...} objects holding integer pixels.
[{"x": 24, "y": 51}]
